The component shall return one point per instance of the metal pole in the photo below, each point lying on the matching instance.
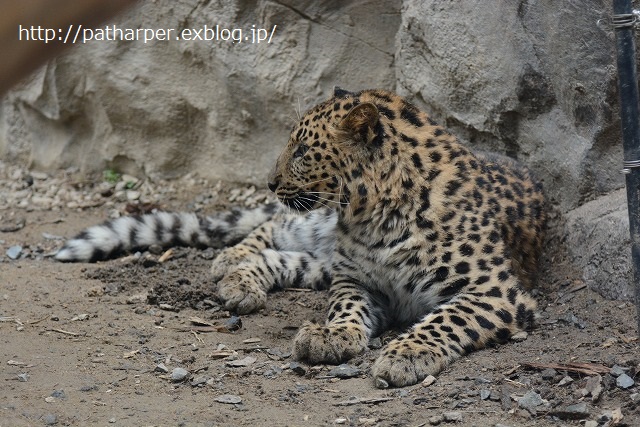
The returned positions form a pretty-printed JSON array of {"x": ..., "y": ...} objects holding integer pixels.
[{"x": 624, "y": 21}]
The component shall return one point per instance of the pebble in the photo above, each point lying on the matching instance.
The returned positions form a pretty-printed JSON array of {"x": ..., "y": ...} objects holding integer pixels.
[
  {"x": 381, "y": 383},
  {"x": 199, "y": 381},
  {"x": 571, "y": 319},
  {"x": 548, "y": 374},
  {"x": 345, "y": 371},
  {"x": 340, "y": 420},
  {"x": 249, "y": 360},
  {"x": 430, "y": 379},
  {"x": 24, "y": 377},
  {"x": 155, "y": 249},
  {"x": 566, "y": 380},
  {"x": 624, "y": 381},
  {"x": 179, "y": 374},
  {"x": 452, "y": 417},
  {"x": 594, "y": 387},
  {"x": 616, "y": 370},
  {"x": 230, "y": 399},
  {"x": 436, "y": 420},
  {"x": 14, "y": 252},
  {"x": 50, "y": 419},
  {"x": 578, "y": 411},
  {"x": 59, "y": 394},
  {"x": 297, "y": 368},
  {"x": 161, "y": 367},
  {"x": 485, "y": 394},
  {"x": 530, "y": 400}
]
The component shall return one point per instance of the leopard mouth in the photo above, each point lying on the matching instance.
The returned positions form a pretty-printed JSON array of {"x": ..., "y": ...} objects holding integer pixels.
[{"x": 301, "y": 201}]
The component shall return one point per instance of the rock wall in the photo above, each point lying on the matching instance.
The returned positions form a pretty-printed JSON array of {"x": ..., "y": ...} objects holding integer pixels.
[
  {"x": 534, "y": 79},
  {"x": 218, "y": 108}
]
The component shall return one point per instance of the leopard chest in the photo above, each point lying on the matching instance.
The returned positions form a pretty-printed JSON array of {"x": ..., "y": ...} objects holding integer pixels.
[{"x": 395, "y": 272}]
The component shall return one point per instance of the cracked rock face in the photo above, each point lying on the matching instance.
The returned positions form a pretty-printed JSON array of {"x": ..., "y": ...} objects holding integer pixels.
[
  {"x": 218, "y": 108},
  {"x": 534, "y": 80}
]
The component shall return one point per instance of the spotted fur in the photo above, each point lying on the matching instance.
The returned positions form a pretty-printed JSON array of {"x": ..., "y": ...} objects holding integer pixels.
[{"x": 406, "y": 226}]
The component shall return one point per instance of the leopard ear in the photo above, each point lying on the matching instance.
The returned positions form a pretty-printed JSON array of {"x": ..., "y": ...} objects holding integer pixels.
[
  {"x": 338, "y": 92},
  {"x": 361, "y": 122}
]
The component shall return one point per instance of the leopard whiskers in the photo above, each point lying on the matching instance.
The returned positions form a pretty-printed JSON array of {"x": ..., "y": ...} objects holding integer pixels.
[{"x": 339, "y": 202}]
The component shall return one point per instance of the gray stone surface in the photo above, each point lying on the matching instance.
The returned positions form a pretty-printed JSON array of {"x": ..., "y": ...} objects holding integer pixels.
[
  {"x": 217, "y": 108},
  {"x": 598, "y": 242},
  {"x": 534, "y": 80}
]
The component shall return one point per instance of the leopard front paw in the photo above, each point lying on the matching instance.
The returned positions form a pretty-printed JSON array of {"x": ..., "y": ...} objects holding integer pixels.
[
  {"x": 328, "y": 344},
  {"x": 240, "y": 293},
  {"x": 404, "y": 363},
  {"x": 224, "y": 262}
]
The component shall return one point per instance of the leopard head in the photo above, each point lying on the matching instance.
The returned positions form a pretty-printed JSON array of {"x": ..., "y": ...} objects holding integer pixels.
[{"x": 325, "y": 153}]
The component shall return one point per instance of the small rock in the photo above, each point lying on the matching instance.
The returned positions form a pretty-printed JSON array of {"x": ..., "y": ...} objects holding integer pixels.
[
  {"x": 616, "y": 370},
  {"x": 578, "y": 411},
  {"x": 530, "y": 400},
  {"x": 452, "y": 417},
  {"x": 23, "y": 377},
  {"x": 436, "y": 420},
  {"x": 548, "y": 374},
  {"x": 160, "y": 367},
  {"x": 485, "y": 394},
  {"x": 635, "y": 397},
  {"x": 381, "y": 383},
  {"x": 594, "y": 387},
  {"x": 155, "y": 249},
  {"x": 566, "y": 380},
  {"x": 133, "y": 195},
  {"x": 230, "y": 399},
  {"x": 249, "y": 360},
  {"x": 199, "y": 381},
  {"x": 519, "y": 336},
  {"x": 430, "y": 379},
  {"x": 50, "y": 419},
  {"x": 14, "y": 252},
  {"x": 233, "y": 324},
  {"x": 272, "y": 372},
  {"x": 340, "y": 420},
  {"x": 624, "y": 381},
  {"x": 590, "y": 423},
  {"x": 571, "y": 319},
  {"x": 59, "y": 394},
  {"x": 345, "y": 371},
  {"x": 278, "y": 354},
  {"x": 112, "y": 420},
  {"x": 179, "y": 374},
  {"x": 297, "y": 368}
]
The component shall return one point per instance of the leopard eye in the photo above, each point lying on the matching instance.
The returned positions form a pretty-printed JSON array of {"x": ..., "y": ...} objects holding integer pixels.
[{"x": 300, "y": 151}]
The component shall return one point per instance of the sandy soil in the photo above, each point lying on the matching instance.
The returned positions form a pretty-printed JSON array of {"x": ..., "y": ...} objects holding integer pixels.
[{"x": 97, "y": 344}]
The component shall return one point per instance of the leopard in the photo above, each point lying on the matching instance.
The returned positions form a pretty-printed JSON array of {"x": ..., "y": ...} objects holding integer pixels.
[{"x": 407, "y": 228}]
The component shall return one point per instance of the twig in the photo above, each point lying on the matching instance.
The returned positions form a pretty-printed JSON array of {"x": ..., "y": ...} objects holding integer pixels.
[
  {"x": 581, "y": 368},
  {"x": 62, "y": 331},
  {"x": 364, "y": 400}
]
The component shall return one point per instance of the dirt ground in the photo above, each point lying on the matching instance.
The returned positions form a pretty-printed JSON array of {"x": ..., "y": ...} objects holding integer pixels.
[{"x": 98, "y": 344}]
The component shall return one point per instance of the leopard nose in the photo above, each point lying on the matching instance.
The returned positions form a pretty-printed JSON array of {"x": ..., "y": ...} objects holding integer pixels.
[{"x": 273, "y": 185}]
